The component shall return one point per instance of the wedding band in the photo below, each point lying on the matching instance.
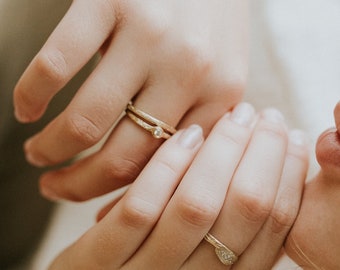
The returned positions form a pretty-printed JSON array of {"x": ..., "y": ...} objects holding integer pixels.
[
  {"x": 156, "y": 127},
  {"x": 224, "y": 254}
]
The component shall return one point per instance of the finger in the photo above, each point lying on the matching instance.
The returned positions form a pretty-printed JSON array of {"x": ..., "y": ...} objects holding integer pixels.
[
  {"x": 328, "y": 153},
  {"x": 124, "y": 154},
  {"x": 265, "y": 248},
  {"x": 123, "y": 230},
  {"x": 252, "y": 192},
  {"x": 94, "y": 109},
  {"x": 71, "y": 45},
  {"x": 208, "y": 113},
  {"x": 199, "y": 197},
  {"x": 115, "y": 165},
  {"x": 107, "y": 208}
]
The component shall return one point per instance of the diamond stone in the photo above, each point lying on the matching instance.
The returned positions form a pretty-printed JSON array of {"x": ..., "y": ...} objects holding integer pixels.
[
  {"x": 225, "y": 256},
  {"x": 157, "y": 132}
]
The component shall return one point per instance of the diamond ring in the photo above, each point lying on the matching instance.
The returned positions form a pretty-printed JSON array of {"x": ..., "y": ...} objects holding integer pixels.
[
  {"x": 224, "y": 254},
  {"x": 157, "y": 128}
]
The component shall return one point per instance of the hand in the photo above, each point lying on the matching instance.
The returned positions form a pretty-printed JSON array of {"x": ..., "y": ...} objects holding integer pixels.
[
  {"x": 314, "y": 242},
  {"x": 183, "y": 62},
  {"x": 243, "y": 185}
]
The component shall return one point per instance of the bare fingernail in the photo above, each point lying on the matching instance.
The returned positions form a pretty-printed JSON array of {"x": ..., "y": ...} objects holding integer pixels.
[
  {"x": 191, "y": 137},
  {"x": 298, "y": 137},
  {"x": 273, "y": 115},
  {"x": 243, "y": 114},
  {"x": 49, "y": 194},
  {"x": 20, "y": 116},
  {"x": 31, "y": 158},
  {"x": 35, "y": 161}
]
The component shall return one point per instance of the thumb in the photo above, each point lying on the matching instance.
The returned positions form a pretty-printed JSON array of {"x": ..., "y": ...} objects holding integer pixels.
[{"x": 328, "y": 153}]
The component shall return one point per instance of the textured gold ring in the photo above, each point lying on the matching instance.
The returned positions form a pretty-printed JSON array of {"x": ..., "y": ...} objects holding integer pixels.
[
  {"x": 156, "y": 127},
  {"x": 224, "y": 254}
]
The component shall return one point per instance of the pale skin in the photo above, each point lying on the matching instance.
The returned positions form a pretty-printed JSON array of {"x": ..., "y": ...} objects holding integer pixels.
[
  {"x": 152, "y": 52},
  {"x": 314, "y": 242},
  {"x": 183, "y": 62},
  {"x": 233, "y": 184},
  {"x": 315, "y": 231}
]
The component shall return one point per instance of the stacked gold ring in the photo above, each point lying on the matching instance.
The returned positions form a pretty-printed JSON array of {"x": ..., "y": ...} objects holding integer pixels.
[{"x": 156, "y": 127}]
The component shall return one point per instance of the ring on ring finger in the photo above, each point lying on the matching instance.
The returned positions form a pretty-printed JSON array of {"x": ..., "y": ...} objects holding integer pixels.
[{"x": 156, "y": 127}]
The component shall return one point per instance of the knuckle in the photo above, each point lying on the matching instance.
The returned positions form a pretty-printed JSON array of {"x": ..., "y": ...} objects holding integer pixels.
[
  {"x": 282, "y": 217},
  {"x": 155, "y": 26},
  {"x": 231, "y": 86},
  {"x": 235, "y": 136},
  {"x": 121, "y": 168},
  {"x": 299, "y": 155},
  {"x": 274, "y": 131},
  {"x": 109, "y": 11},
  {"x": 107, "y": 6},
  {"x": 169, "y": 164},
  {"x": 232, "y": 138},
  {"x": 137, "y": 213},
  {"x": 83, "y": 130},
  {"x": 232, "y": 89},
  {"x": 224, "y": 89},
  {"x": 201, "y": 60},
  {"x": 153, "y": 23},
  {"x": 197, "y": 211},
  {"x": 254, "y": 208},
  {"x": 52, "y": 65}
]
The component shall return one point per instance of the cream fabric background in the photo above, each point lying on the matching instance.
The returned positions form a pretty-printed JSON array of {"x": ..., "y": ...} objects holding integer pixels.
[{"x": 295, "y": 66}]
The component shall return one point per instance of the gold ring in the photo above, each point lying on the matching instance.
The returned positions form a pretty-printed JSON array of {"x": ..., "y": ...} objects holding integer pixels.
[
  {"x": 224, "y": 254},
  {"x": 157, "y": 128}
]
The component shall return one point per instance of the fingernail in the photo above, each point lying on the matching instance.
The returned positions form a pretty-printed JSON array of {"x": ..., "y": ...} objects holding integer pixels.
[
  {"x": 243, "y": 114},
  {"x": 191, "y": 137},
  {"x": 30, "y": 157},
  {"x": 298, "y": 137},
  {"x": 20, "y": 116},
  {"x": 273, "y": 115},
  {"x": 34, "y": 161},
  {"x": 49, "y": 194}
]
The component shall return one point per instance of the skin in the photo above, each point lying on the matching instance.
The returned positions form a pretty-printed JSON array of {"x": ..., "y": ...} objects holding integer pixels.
[
  {"x": 188, "y": 58},
  {"x": 172, "y": 204},
  {"x": 150, "y": 52},
  {"x": 315, "y": 238}
]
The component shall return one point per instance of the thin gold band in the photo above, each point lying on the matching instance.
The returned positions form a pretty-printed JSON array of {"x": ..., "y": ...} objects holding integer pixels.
[
  {"x": 157, "y": 128},
  {"x": 224, "y": 254}
]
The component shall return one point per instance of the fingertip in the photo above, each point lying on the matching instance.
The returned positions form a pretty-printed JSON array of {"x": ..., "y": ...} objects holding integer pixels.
[
  {"x": 33, "y": 158},
  {"x": 273, "y": 115},
  {"x": 299, "y": 145},
  {"x": 21, "y": 117},
  {"x": 191, "y": 137},
  {"x": 18, "y": 110},
  {"x": 46, "y": 191},
  {"x": 24, "y": 109},
  {"x": 52, "y": 187},
  {"x": 328, "y": 150},
  {"x": 298, "y": 137},
  {"x": 243, "y": 114}
]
